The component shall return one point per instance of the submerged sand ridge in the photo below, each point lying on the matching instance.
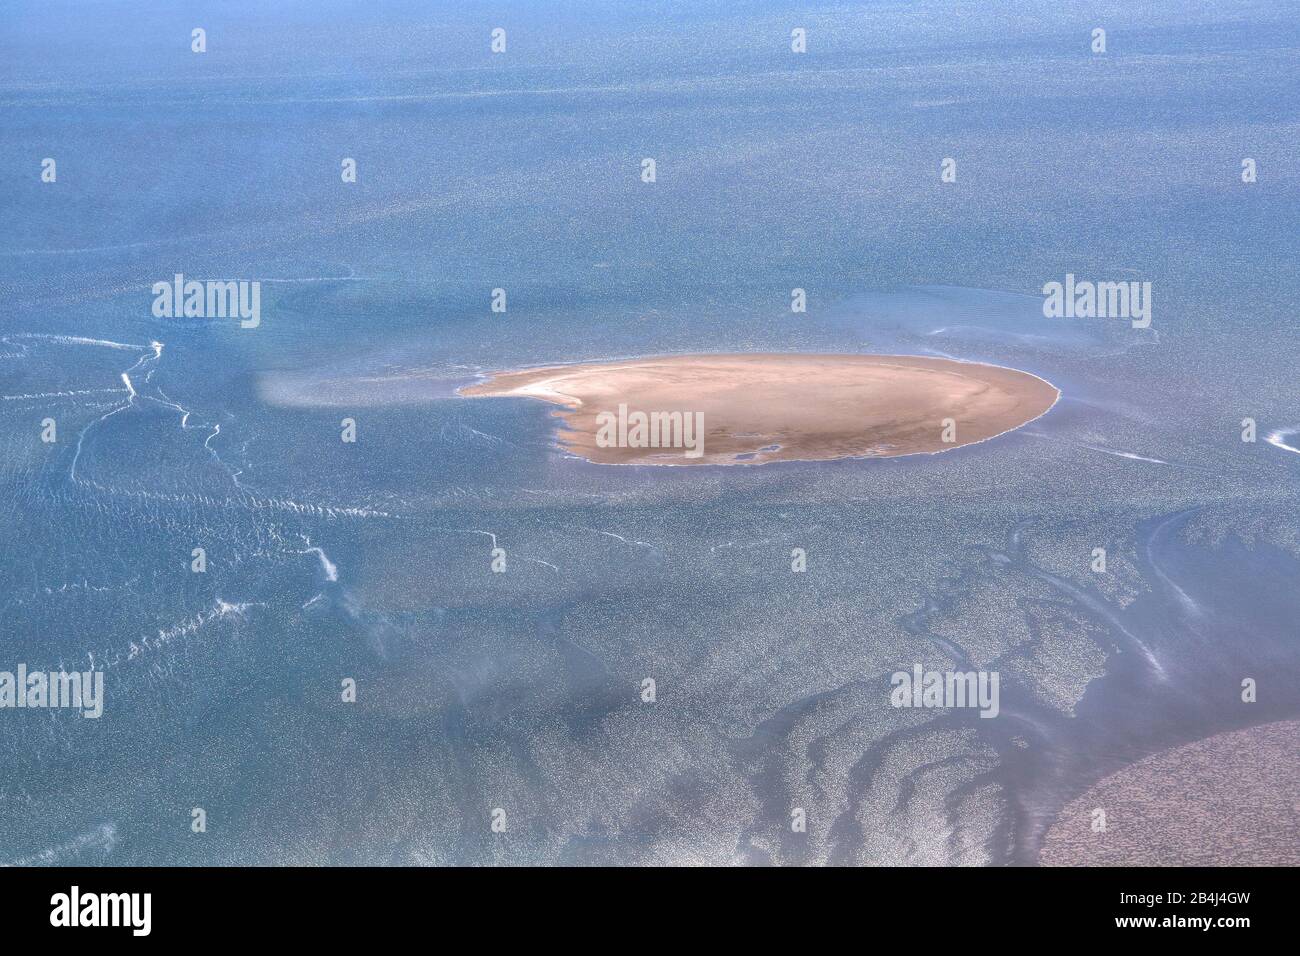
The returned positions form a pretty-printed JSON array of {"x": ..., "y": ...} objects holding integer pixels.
[{"x": 758, "y": 408}]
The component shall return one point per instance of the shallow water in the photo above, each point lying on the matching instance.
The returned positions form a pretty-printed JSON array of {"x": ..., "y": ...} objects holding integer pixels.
[{"x": 522, "y": 690}]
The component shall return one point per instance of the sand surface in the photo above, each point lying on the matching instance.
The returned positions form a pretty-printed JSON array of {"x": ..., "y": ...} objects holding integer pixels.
[
  {"x": 761, "y": 408},
  {"x": 1229, "y": 800}
]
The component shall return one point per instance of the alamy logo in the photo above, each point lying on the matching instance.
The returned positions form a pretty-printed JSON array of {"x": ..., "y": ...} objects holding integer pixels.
[
  {"x": 944, "y": 689},
  {"x": 651, "y": 430},
  {"x": 103, "y": 909},
  {"x": 1084, "y": 299},
  {"x": 210, "y": 299},
  {"x": 84, "y": 691}
]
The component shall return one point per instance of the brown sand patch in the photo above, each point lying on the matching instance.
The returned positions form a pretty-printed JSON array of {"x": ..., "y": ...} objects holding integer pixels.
[
  {"x": 1228, "y": 800},
  {"x": 784, "y": 407}
]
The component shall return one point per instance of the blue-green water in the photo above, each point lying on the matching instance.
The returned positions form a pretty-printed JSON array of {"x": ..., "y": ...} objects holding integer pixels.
[{"x": 521, "y": 170}]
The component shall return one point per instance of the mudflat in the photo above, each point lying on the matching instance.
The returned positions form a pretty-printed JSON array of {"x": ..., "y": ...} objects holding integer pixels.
[
  {"x": 748, "y": 409},
  {"x": 1228, "y": 800}
]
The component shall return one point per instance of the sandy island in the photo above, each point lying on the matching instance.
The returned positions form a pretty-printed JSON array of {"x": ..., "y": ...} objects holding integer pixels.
[{"x": 775, "y": 407}]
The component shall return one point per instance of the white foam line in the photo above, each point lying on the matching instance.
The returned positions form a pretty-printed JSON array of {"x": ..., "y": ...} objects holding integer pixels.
[
  {"x": 1275, "y": 437},
  {"x": 247, "y": 502},
  {"x": 157, "y": 356},
  {"x": 491, "y": 439},
  {"x": 328, "y": 511},
  {"x": 1123, "y": 454},
  {"x": 1100, "y": 607},
  {"x": 80, "y": 340},
  {"x": 611, "y": 534},
  {"x": 220, "y": 609},
  {"x": 1105, "y": 451},
  {"x": 156, "y": 348},
  {"x": 166, "y": 400},
  {"x": 76, "y": 455},
  {"x": 540, "y": 561},
  {"x": 1185, "y": 599},
  {"x": 744, "y": 544},
  {"x": 329, "y": 567},
  {"x": 207, "y": 442},
  {"x": 42, "y": 395},
  {"x": 489, "y": 534}
]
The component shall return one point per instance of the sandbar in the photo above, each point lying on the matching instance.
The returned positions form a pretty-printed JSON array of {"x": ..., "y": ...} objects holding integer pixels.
[
  {"x": 1228, "y": 800},
  {"x": 759, "y": 408}
]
